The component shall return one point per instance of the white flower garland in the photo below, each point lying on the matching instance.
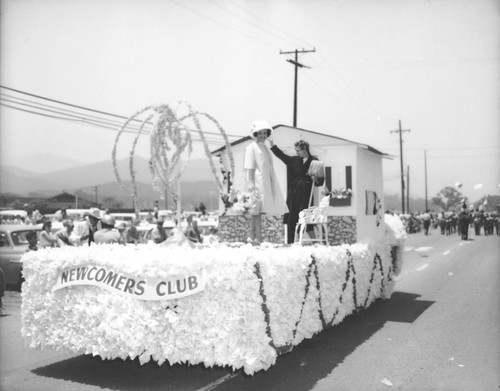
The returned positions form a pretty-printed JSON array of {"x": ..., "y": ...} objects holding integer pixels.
[{"x": 170, "y": 148}]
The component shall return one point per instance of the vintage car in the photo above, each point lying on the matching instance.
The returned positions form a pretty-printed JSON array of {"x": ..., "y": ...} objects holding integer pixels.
[
  {"x": 11, "y": 215},
  {"x": 13, "y": 245}
]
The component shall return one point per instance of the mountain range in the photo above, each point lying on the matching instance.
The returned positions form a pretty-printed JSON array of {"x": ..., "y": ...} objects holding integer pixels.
[{"x": 198, "y": 184}]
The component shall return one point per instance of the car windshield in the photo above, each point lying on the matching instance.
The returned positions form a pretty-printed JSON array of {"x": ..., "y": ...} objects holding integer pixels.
[{"x": 19, "y": 238}]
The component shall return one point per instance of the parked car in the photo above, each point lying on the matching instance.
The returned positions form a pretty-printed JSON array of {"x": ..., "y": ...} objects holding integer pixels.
[
  {"x": 10, "y": 215},
  {"x": 13, "y": 245}
]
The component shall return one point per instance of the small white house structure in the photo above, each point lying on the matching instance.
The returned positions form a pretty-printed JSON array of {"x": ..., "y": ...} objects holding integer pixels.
[{"x": 348, "y": 165}]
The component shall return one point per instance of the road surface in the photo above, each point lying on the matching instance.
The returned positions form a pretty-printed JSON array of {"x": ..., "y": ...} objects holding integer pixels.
[{"x": 439, "y": 331}]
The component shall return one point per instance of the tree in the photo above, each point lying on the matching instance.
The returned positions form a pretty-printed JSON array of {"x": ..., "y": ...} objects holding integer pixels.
[
  {"x": 490, "y": 203},
  {"x": 111, "y": 203},
  {"x": 449, "y": 198}
]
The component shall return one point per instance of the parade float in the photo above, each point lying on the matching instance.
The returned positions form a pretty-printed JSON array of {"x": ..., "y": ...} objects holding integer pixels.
[{"x": 229, "y": 304}]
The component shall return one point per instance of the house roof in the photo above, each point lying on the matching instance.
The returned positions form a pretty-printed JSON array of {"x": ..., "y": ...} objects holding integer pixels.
[
  {"x": 62, "y": 197},
  {"x": 366, "y": 146}
]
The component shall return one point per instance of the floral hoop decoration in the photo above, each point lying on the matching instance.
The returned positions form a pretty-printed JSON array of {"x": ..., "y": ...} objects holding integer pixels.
[
  {"x": 171, "y": 139},
  {"x": 339, "y": 193}
]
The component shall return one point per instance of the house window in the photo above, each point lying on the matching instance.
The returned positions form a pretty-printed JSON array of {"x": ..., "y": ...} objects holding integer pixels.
[{"x": 337, "y": 178}]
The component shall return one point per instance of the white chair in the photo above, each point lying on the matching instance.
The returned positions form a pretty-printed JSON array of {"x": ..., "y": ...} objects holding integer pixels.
[{"x": 317, "y": 217}]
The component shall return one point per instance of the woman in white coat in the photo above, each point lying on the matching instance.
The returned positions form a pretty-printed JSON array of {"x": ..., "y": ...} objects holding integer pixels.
[{"x": 261, "y": 178}]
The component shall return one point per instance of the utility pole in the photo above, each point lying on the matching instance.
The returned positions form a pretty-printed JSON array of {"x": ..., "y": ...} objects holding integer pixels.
[
  {"x": 297, "y": 65},
  {"x": 400, "y": 131},
  {"x": 425, "y": 164},
  {"x": 95, "y": 190},
  {"x": 408, "y": 188}
]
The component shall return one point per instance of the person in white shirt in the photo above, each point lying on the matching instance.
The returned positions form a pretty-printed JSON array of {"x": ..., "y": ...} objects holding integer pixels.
[{"x": 47, "y": 239}]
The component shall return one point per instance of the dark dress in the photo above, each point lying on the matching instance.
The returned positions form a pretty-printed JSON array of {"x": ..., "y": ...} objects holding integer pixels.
[{"x": 299, "y": 186}]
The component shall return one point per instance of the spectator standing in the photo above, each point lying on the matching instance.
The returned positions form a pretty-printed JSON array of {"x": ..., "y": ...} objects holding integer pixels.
[
  {"x": 202, "y": 209},
  {"x": 426, "y": 220},
  {"x": 132, "y": 234},
  {"x": 156, "y": 211},
  {"x": 60, "y": 215},
  {"x": 107, "y": 234},
  {"x": 463, "y": 223},
  {"x": 122, "y": 229},
  {"x": 478, "y": 222},
  {"x": 90, "y": 226},
  {"x": 29, "y": 219},
  {"x": 192, "y": 231},
  {"x": 158, "y": 235}
]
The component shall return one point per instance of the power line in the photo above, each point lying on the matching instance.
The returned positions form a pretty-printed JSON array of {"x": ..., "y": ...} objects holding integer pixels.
[
  {"x": 61, "y": 112},
  {"x": 42, "y": 105},
  {"x": 222, "y": 24},
  {"x": 63, "y": 103},
  {"x": 76, "y": 115},
  {"x": 247, "y": 21},
  {"x": 271, "y": 25},
  {"x": 101, "y": 124},
  {"x": 356, "y": 98}
]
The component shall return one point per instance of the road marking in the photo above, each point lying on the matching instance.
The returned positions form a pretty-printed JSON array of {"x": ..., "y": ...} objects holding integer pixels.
[
  {"x": 217, "y": 382},
  {"x": 446, "y": 252},
  {"x": 409, "y": 248},
  {"x": 424, "y": 249},
  {"x": 422, "y": 267}
]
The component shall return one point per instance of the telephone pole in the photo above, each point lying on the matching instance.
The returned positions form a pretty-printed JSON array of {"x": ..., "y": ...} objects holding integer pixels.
[
  {"x": 425, "y": 163},
  {"x": 297, "y": 64},
  {"x": 408, "y": 188},
  {"x": 400, "y": 131}
]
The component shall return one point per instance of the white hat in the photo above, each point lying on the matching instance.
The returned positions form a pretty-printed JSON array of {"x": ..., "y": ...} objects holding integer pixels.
[
  {"x": 259, "y": 125},
  {"x": 108, "y": 220},
  {"x": 94, "y": 212}
]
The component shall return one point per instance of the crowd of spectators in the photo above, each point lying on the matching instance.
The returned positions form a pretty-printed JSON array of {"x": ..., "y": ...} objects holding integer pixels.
[
  {"x": 96, "y": 226},
  {"x": 447, "y": 223}
]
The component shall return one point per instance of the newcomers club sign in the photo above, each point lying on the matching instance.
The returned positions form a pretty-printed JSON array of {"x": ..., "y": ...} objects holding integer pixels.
[{"x": 132, "y": 286}]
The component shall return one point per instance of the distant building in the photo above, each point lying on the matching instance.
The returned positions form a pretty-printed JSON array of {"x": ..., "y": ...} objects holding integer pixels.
[{"x": 69, "y": 201}]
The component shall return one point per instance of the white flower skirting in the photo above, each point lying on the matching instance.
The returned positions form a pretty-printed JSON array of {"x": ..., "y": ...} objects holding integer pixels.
[{"x": 258, "y": 302}]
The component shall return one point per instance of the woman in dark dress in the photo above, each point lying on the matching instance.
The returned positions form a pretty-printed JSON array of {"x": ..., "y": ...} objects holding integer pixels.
[{"x": 299, "y": 183}]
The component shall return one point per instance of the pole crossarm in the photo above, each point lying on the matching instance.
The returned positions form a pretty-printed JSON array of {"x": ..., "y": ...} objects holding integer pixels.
[{"x": 297, "y": 65}]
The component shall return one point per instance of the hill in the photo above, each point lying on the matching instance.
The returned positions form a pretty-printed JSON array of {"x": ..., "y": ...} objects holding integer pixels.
[
  {"x": 192, "y": 194},
  {"x": 20, "y": 181},
  {"x": 99, "y": 180}
]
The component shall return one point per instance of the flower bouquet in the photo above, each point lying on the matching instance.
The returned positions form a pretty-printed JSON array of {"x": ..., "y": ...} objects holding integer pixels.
[
  {"x": 339, "y": 193},
  {"x": 241, "y": 202}
]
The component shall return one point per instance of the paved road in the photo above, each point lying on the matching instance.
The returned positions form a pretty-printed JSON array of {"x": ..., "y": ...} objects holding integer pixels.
[{"x": 439, "y": 331}]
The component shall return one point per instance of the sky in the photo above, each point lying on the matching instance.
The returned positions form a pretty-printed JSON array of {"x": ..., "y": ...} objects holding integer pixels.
[{"x": 434, "y": 65}]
